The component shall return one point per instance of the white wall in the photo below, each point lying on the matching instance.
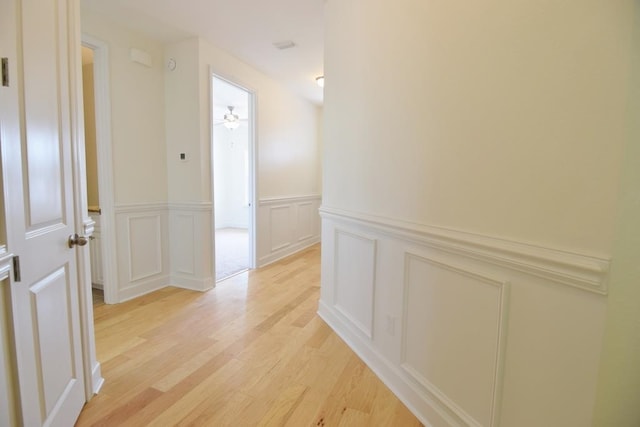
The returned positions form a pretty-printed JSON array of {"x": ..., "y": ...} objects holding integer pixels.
[
  {"x": 482, "y": 109},
  {"x": 286, "y": 126},
  {"x": 287, "y": 161},
  {"x": 472, "y": 161},
  {"x": 231, "y": 199},
  {"x": 162, "y": 200},
  {"x": 137, "y": 96},
  {"x": 137, "y": 114},
  {"x": 182, "y": 115},
  {"x": 619, "y": 381}
]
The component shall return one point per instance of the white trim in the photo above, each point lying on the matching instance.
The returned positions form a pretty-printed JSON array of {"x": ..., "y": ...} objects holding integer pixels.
[
  {"x": 389, "y": 374},
  {"x": 585, "y": 272},
  {"x": 289, "y": 199},
  {"x": 102, "y": 95},
  {"x": 158, "y": 234},
  {"x": 503, "y": 310},
  {"x": 188, "y": 282},
  {"x": 6, "y": 263},
  {"x": 88, "y": 226},
  {"x": 253, "y": 160},
  {"x": 271, "y": 221},
  {"x": 141, "y": 207},
  {"x": 96, "y": 378},
  {"x": 144, "y": 287},
  {"x": 366, "y": 330},
  {"x": 191, "y": 206},
  {"x": 287, "y": 251}
]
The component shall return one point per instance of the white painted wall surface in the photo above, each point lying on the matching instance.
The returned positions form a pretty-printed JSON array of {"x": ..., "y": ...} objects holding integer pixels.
[
  {"x": 287, "y": 136},
  {"x": 137, "y": 114},
  {"x": 504, "y": 119},
  {"x": 183, "y": 114},
  {"x": 288, "y": 164},
  {"x": 619, "y": 381},
  {"x": 452, "y": 131}
]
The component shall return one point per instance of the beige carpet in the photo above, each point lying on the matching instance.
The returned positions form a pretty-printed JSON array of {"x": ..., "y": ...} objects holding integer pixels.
[{"x": 232, "y": 252}]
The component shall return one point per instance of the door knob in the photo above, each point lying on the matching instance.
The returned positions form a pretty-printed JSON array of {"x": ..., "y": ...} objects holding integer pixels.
[{"x": 75, "y": 239}]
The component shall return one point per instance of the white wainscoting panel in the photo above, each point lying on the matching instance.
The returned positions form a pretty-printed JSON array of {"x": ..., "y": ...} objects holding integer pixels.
[
  {"x": 354, "y": 279},
  {"x": 145, "y": 246},
  {"x": 280, "y": 230},
  {"x": 452, "y": 336},
  {"x": 191, "y": 240},
  {"x": 285, "y": 226},
  {"x": 306, "y": 213},
  {"x": 142, "y": 246},
  {"x": 466, "y": 329},
  {"x": 185, "y": 235}
]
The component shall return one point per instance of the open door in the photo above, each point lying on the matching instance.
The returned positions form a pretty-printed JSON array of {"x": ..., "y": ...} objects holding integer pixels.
[
  {"x": 233, "y": 176},
  {"x": 37, "y": 164}
]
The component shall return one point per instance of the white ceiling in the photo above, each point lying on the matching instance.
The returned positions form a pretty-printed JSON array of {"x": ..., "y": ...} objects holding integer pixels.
[{"x": 245, "y": 28}]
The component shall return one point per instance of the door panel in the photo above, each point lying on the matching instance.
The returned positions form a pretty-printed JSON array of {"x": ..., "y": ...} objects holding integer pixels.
[
  {"x": 35, "y": 129},
  {"x": 49, "y": 299},
  {"x": 41, "y": 95}
]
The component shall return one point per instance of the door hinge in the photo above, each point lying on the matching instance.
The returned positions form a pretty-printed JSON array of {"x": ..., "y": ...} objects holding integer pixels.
[
  {"x": 16, "y": 269},
  {"x": 5, "y": 72}
]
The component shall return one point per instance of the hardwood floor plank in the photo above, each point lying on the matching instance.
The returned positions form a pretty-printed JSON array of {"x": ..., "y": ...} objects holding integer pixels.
[
  {"x": 283, "y": 407},
  {"x": 250, "y": 352}
]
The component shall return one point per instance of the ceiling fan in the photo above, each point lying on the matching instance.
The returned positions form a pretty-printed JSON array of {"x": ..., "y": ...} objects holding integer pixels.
[{"x": 231, "y": 121}]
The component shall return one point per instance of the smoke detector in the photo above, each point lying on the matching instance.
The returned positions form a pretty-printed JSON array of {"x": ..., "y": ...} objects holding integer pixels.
[{"x": 285, "y": 44}]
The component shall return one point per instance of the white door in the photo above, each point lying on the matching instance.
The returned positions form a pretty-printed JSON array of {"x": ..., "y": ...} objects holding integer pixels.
[{"x": 35, "y": 133}]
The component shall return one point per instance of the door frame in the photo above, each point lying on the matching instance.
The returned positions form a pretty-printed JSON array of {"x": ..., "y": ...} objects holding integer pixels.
[
  {"x": 104, "y": 152},
  {"x": 253, "y": 163}
]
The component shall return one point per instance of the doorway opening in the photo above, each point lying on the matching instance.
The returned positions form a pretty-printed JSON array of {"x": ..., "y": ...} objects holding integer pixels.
[
  {"x": 233, "y": 178},
  {"x": 91, "y": 161},
  {"x": 99, "y": 169}
]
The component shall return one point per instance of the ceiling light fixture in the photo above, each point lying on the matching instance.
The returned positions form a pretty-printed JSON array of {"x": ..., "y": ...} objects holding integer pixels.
[
  {"x": 320, "y": 81},
  {"x": 231, "y": 121}
]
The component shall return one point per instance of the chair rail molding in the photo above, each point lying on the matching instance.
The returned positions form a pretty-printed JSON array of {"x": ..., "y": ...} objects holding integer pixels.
[
  {"x": 142, "y": 232},
  {"x": 466, "y": 329},
  {"x": 586, "y": 272},
  {"x": 286, "y": 225}
]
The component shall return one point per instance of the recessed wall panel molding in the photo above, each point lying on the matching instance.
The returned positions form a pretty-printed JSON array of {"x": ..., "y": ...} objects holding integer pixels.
[
  {"x": 286, "y": 225},
  {"x": 191, "y": 241},
  {"x": 453, "y": 337},
  {"x": 142, "y": 238},
  {"x": 281, "y": 232},
  {"x": 305, "y": 221},
  {"x": 354, "y": 279},
  {"x": 463, "y": 337},
  {"x": 582, "y": 271},
  {"x": 145, "y": 246},
  {"x": 184, "y": 243}
]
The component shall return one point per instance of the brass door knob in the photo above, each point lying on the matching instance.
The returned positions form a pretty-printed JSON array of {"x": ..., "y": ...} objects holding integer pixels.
[{"x": 75, "y": 239}]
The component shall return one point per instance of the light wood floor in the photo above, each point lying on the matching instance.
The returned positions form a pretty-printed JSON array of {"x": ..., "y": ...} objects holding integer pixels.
[{"x": 250, "y": 352}]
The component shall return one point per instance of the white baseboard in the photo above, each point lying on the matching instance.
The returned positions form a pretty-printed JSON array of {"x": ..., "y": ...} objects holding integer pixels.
[
  {"x": 467, "y": 330},
  {"x": 192, "y": 284},
  {"x": 143, "y": 287},
  {"x": 287, "y": 251},
  {"x": 96, "y": 378},
  {"x": 385, "y": 370}
]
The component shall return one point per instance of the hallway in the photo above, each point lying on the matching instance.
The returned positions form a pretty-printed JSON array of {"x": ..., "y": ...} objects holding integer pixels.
[{"x": 250, "y": 352}]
